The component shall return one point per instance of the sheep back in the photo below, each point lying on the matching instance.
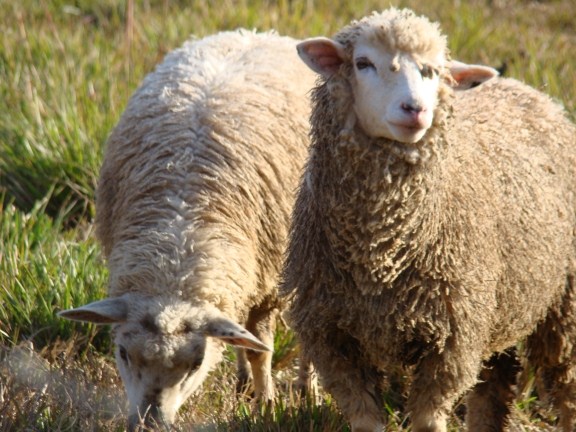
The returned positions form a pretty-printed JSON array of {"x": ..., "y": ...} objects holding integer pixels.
[{"x": 197, "y": 181}]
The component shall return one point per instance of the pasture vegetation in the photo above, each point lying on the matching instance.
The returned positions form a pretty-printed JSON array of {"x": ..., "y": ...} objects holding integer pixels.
[{"x": 67, "y": 69}]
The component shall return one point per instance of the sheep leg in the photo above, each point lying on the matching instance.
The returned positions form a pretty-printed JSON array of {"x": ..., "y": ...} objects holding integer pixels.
[
  {"x": 354, "y": 384},
  {"x": 262, "y": 325},
  {"x": 439, "y": 380},
  {"x": 307, "y": 383},
  {"x": 490, "y": 401},
  {"x": 244, "y": 372},
  {"x": 551, "y": 350},
  {"x": 358, "y": 393},
  {"x": 559, "y": 385},
  {"x": 359, "y": 396}
]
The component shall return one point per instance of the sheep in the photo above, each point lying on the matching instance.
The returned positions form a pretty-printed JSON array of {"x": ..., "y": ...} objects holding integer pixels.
[
  {"x": 192, "y": 212},
  {"x": 433, "y": 229}
]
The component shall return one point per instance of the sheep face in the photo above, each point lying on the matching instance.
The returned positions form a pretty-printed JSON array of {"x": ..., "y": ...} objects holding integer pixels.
[
  {"x": 396, "y": 66},
  {"x": 394, "y": 94},
  {"x": 164, "y": 349}
]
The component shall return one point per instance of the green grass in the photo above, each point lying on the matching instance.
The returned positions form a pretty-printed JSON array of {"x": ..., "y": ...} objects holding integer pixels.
[
  {"x": 43, "y": 268},
  {"x": 67, "y": 69}
]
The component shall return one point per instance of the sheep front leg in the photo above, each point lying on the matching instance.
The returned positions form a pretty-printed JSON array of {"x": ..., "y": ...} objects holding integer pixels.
[
  {"x": 244, "y": 372},
  {"x": 262, "y": 325},
  {"x": 354, "y": 384},
  {"x": 359, "y": 396},
  {"x": 439, "y": 379}
]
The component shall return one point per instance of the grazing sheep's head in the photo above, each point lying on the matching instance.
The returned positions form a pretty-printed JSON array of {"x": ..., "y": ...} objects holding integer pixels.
[
  {"x": 396, "y": 64},
  {"x": 164, "y": 349}
]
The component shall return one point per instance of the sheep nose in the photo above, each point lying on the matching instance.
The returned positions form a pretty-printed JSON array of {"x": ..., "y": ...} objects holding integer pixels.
[
  {"x": 412, "y": 108},
  {"x": 152, "y": 420}
]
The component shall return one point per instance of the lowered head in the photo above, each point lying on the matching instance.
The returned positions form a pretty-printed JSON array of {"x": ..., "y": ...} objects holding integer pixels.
[{"x": 165, "y": 347}]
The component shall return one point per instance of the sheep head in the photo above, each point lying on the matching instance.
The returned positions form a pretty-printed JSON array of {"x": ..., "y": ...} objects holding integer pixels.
[
  {"x": 164, "y": 349},
  {"x": 396, "y": 65}
]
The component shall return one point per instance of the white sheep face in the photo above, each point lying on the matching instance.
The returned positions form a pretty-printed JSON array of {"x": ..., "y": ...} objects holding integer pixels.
[
  {"x": 394, "y": 93},
  {"x": 164, "y": 349}
]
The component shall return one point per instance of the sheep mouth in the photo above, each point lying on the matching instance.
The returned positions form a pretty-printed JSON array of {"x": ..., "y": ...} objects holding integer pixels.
[
  {"x": 408, "y": 133},
  {"x": 410, "y": 126}
]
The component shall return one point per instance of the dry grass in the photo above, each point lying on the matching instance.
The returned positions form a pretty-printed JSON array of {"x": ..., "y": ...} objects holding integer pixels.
[
  {"x": 62, "y": 388},
  {"x": 55, "y": 389}
]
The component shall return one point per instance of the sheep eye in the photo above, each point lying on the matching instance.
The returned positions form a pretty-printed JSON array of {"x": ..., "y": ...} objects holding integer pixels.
[
  {"x": 363, "y": 63},
  {"x": 194, "y": 367},
  {"x": 197, "y": 364},
  {"x": 123, "y": 354},
  {"x": 428, "y": 71},
  {"x": 188, "y": 328}
]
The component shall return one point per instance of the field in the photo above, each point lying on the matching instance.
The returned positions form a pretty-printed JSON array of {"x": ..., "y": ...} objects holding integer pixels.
[{"x": 67, "y": 69}]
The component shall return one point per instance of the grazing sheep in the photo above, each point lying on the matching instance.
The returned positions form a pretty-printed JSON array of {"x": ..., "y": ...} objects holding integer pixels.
[
  {"x": 193, "y": 208},
  {"x": 433, "y": 229}
]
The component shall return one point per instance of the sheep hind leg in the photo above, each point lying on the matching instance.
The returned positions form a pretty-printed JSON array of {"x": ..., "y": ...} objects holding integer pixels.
[
  {"x": 262, "y": 325},
  {"x": 488, "y": 405},
  {"x": 560, "y": 387},
  {"x": 551, "y": 350}
]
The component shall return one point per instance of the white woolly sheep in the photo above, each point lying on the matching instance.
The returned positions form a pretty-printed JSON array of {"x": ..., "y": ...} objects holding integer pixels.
[
  {"x": 432, "y": 229},
  {"x": 193, "y": 207}
]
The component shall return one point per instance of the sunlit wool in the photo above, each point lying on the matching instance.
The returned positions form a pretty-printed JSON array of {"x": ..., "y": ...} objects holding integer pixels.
[
  {"x": 437, "y": 254},
  {"x": 193, "y": 205}
]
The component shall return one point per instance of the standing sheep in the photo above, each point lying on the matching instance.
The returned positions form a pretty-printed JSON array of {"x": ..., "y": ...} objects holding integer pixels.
[
  {"x": 433, "y": 229},
  {"x": 193, "y": 207}
]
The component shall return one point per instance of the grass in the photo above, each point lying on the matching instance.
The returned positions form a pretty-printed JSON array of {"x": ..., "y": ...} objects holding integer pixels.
[
  {"x": 44, "y": 267},
  {"x": 67, "y": 69}
]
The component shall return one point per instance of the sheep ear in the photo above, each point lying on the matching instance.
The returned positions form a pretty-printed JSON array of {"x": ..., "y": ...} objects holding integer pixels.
[
  {"x": 107, "y": 311},
  {"x": 322, "y": 55},
  {"x": 467, "y": 76},
  {"x": 234, "y": 334}
]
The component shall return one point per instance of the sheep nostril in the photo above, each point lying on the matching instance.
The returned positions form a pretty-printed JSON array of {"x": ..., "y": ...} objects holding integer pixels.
[{"x": 412, "y": 108}]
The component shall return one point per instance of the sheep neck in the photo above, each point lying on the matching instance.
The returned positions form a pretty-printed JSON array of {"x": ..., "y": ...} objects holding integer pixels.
[{"x": 374, "y": 208}]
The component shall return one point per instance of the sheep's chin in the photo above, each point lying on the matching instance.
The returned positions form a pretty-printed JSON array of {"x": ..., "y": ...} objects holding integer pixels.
[{"x": 406, "y": 134}]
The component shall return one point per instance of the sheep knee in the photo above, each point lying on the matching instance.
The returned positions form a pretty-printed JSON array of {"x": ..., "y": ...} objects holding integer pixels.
[
  {"x": 430, "y": 422},
  {"x": 366, "y": 424}
]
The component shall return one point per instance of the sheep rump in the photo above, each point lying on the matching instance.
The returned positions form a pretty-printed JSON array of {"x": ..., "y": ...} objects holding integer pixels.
[{"x": 439, "y": 255}]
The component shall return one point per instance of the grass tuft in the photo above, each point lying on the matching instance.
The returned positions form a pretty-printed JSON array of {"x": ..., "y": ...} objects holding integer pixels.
[{"x": 43, "y": 269}]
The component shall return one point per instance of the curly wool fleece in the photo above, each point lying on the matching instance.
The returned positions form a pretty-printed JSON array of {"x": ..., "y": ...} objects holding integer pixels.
[{"x": 439, "y": 254}]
